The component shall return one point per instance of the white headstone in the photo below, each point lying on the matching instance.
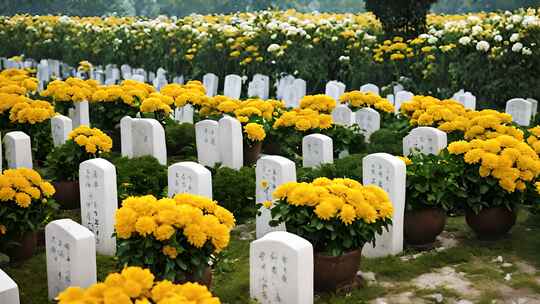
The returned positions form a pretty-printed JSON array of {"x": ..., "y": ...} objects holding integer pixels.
[
  {"x": 9, "y": 291},
  {"x": 189, "y": 177},
  {"x": 343, "y": 115},
  {"x": 97, "y": 183},
  {"x": 317, "y": 149},
  {"x": 398, "y": 88},
  {"x": 151, "y": 77},
  {"x": 161, "y": 72},
  {"x": 521, "y": 111},
  {"x": 126, "y": 137},
  {"x": 467, "y": 99},
  {"x": 231, "y": 149},
  {"x": 138, "y": 77},
  {"x": 335, "y": 89},
  {"x": 206, "y": 135},
  {"x": 43, "y": 74},
  {"x": 149, "y": 139},
  {"x": 110, "y": 81},
  {"x": 369, "y": 121},
  {"x": 125, "y": 69},
  {"x": 259, "y": 86},
  {"x": 370, "y": 87},
  {"x": 233, "y": 86},
  {"x": 388, "y": 172},
  {"x": 71, "y": 256},
  {"x": 60, "y": 128},
  {"x": 159, "y": 82},
  {"x": 81, "y": 114},
  {"x": 401, "y": 97},
  {"x": 184, "y": 114},
  {"x": 211, "y": 82},
  {"x": 54, "y": 68},
  {"x": 18, "y": 150},
  {"x": 273, "y": 171},
  {"x": 534, "y": 103},
  {"x": 281, "y": 269},
  {"x": 426, "y": 140},
  {"x": 283, "y": 83},
  {"x": 178, "y": 79}
]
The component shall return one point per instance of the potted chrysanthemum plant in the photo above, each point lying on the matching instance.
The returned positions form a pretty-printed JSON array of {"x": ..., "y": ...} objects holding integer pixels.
[
  {"x": 338, "y": 217},
  {"x": 62, "y": 163},
  {"x": 176, "y": 238}
]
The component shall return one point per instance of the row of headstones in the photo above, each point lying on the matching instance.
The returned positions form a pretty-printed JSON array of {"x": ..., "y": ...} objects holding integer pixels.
[
  {"x": 71, "y": 248},
  {"x": 523, "y": 111}
]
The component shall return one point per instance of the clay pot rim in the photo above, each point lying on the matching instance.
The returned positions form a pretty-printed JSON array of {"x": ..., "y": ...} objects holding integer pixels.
[{"x": 345, "y": 254}]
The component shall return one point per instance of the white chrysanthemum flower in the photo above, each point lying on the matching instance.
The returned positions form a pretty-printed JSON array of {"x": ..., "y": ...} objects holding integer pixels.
[
  {"x": 465, "y": 40},
  {"x": 273, "y": 48},
  {"x": 482, "y": 46},
  {"x": 517, "y": 47}
]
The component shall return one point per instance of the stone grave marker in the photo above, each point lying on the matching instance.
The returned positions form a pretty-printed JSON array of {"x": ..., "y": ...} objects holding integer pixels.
[
  {"x": 189, "y": 177},
  {"x": 80, "y": 115},
  {"x": 369, "y": 121},
  {"x": 401, "y": 97},
  {"x": 233, "y": 86},
  {"x": 9, "y": 291},
  {"x": 388, "y": 172},
  {"x": 211, "y": 83},
  {"x": 259, "y": 86},
  {"x": 317, "y": 149},
  {"x": 426, "y": 140},
  {"x": 60, "y": 128},
  {"x": 370, "y": 87},
  {"x": 206, "y": 136},
  {"x": 184, "y": 114},
  {"x": 149, "y": 139},
  {"x": 281, "y": 269},
  {"x": 231, "y": 148},
  {"x": 18, "y": 150},
  {"x": 534, "y": 103},
  {"x": 270, "y": 172},
  {"x": 521, "y": 111},
  {"x": 343, "y": 115},
  {"x": 97, "y": 183},
  {"x": 71, "y": 256}
]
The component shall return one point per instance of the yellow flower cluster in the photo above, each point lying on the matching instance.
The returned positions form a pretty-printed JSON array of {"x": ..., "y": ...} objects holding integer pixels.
[
  {"x": 395, "y": 49},
  {"x": 450, "y": 116},
  {"x": 7, "y": 101},
  {"x": 511, "y": 161},
  {"x": 340, "y": 198},
  {"x": 533, "y": 139},
  {"x": 198, "y": 218},
  {"x": 23, "y": 185},
  {"x": 254, "y": 131},
  {"x": 193, "y": 92},
  {"x": 16, "y": 81},
  {"x": 320, "y": 103},
  {"x": 85, "y": 66},
  {"x": 31, "y": 111},
  {"x": 72, "y": 89},
  {"x": 93, "y": 140},
  {"x": 157, "y": 102},
  {"x": 303, "y": 120},
  {"x": 130, "y": 92},
  {"x": 137, "y": 285},
  {"x": 243, "y": 110},
  {"x": 358, "y": 100}
]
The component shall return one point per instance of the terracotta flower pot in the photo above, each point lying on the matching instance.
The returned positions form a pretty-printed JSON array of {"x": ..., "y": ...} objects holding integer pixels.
[
  {"x": 67, "y": 194},
  {"x": 24, "y": 248},
  {"x": 205, "y": 280},
  {"x": 272, "y": 148},
  {"x": 333, "y": 273},
  {"x": 421, "y": 227},
  {"x": 251, "y": 153},
  {"x": 491, "y": 223}
]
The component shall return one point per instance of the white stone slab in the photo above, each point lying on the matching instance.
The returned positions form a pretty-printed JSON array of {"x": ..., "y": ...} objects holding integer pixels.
[
  {"x": 259, "y": 86},
  {"x": 71, "y": 256},
  {"x": 426, "y": 140},
  {"x": 149, "y": 139},
  {"x": 18, "y": 150},
  {"x": 189, "y": 177},
  {"x": 388, "y": 172},
  {"x": 231, "y": 148},
  {"x": 211, "y": 83},
  {"x": 97, "y": 182},
  {"x": 126, "y": 136},
  {"x": 273, "y": 170},
  {"x": 184, "y": 114},
  {"x": 401, "y": 97},
  {"x": 317, "y": 149},
  {"x": 9, "y": 291},
  {"x": 81, "y": 114},
  {"x": 534, "y": 103},
  {"x": 369, "y": 121},
  {"x": 281, "y": 269},
  {"x": 521, "y": 111},
  {"x": 233, "y": 86},
  {"x": 335, "y": 89},
  {"x": 370, "y": 87},
  {"x": 60, "y": 128},
  {"x": 206, "y": 134},
  {"x": 343, "y": 115}
]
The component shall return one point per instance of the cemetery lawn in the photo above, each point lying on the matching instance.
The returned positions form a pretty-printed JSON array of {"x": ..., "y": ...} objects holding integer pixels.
[{"x": 460, "y": 268}]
